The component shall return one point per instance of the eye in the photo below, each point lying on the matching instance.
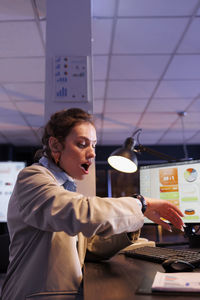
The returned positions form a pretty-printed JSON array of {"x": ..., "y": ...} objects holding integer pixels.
[{"x": 81, "y": 145}]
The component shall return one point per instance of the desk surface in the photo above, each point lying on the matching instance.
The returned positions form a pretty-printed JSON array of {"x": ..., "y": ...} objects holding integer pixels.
[{"x": 119, "y": 279}]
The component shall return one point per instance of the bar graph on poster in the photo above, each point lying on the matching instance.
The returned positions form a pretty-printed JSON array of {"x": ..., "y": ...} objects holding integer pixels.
[{"x": 70, "y": 78}]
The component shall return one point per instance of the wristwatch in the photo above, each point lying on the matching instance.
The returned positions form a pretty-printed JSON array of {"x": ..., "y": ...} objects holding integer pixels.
[{"x": 142, "y": 202}]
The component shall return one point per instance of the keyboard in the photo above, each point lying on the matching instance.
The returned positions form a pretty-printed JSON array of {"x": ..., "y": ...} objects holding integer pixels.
[{"x": 159, "y": 254}]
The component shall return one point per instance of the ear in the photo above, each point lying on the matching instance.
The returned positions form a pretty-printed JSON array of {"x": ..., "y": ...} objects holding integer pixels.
[{"x": 54, "y": 144}]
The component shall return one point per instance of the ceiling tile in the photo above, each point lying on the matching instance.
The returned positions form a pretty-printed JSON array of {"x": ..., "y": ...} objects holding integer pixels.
[
  {"x": 192, "y": 117},
  {"x": 25, "y": 70},
  {"x": 194, "y": 139},
  {"x": 109, "y": 140},
  {"x": 25, "y": 91},
  {"x": 195, "y": 106},
  {"x": 101, "y": 36},
  {"x": 120, "y": 121},
  {"x": 8, "y": 109},
  {"x": 16, "y": 10},
  {"x": 23, "y": 137},
  {"x": 171, "y": 140},
  {"x": 184, "y": 67},
  {"x": 156, "y": 7},
  {"x": 114, "y": 138},
  {"x": 151, "y": 126},
  {"x": 103, "y": 8},
  {"x": 137, "y": 67},
  {"x": 38, "y": 130},
  {"x": 35, "y": 120},
  {"x": 18, "y": 124},
  {"x": 130, "y": 89},
  {"x": 25, "y": 38},
  {"x": 3, "y": 95},
  {"x": 99, "y": 89},
  {"x": 125, "y": 106},
  {"x": 100, "y": 64},
  {"x": 178, "y": 89},
  {"x": 20, "y": 132},
  {"x": 168, "y": 105},
  {"x": 31, "y": 107},
  {"x": 190, "y": 43},
  {"x": 98, "y": 106},
  {"x": 176, "y": 135},
  {"x": 98, "y": 121},
  {"x": 150, "y": 137},
  {"x": 162, "y": 120},
  {"x": 110, "y": 124},
  {"x": 187, "y": 125},
  {"x": 148, "y": 35}
]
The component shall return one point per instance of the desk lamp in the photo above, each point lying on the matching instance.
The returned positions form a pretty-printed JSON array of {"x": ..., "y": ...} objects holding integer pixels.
[{"x": 125, "y": 160}]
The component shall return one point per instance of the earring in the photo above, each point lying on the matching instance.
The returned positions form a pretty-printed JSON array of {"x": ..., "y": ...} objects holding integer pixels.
[{"x": 56, "y": 157}]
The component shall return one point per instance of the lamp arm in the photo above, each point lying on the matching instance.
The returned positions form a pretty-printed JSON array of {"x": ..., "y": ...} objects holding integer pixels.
[{"x": 163, "y": 156}]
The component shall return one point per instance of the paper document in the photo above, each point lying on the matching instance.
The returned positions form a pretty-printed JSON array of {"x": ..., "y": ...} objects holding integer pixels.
[
  {"x": 141, "y": 242},
  {"x": 177, "y": 282}
]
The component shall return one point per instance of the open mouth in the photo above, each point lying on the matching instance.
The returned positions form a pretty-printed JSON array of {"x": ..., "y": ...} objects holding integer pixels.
[{"x": 85, "y": 167}]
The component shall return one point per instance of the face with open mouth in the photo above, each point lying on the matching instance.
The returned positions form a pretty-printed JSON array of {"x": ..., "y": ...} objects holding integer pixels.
[{"x": 79, "y": 150}]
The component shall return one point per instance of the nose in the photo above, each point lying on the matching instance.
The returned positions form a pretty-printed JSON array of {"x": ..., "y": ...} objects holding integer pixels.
[{"x": 91, "y": 152}]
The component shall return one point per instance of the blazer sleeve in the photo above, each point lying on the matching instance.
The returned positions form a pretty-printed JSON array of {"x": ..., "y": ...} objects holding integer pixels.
[
  {"x": 44, "y": 204},
  {"x": 101, "y": 248}
]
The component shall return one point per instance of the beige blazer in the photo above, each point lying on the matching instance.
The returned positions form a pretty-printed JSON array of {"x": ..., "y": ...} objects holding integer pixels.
[{"x": 51, "y": 228}]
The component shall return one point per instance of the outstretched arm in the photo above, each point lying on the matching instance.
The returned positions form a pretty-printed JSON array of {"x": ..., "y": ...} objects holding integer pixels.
[{"x": 158, "y": 209}]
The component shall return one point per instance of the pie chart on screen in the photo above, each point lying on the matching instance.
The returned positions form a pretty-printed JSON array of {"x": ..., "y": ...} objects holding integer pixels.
[{"x": 190, "y": 174}]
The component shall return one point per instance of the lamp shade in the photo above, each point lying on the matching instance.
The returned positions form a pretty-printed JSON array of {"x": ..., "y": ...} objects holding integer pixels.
[{"x": 124, "y": 159}]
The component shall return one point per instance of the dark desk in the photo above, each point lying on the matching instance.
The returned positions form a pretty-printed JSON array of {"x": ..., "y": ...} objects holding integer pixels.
[{"x": 119, "y": 278}]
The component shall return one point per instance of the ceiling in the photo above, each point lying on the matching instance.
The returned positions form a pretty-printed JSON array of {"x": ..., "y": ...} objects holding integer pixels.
[{"x": 146, "y": 63}]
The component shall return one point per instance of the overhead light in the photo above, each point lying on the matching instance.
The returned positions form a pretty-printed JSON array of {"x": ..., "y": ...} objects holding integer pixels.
[{"x": 124, "y": 159}]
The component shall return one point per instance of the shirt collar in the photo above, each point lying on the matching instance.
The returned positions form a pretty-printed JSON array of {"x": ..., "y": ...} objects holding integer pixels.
[{"x": 59, "y": 174}]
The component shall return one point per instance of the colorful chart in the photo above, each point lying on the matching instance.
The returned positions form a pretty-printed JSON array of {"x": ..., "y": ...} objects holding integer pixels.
[{"x": 190, "y": 175}]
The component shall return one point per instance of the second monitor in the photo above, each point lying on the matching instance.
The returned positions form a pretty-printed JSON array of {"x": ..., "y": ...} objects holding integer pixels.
[{"x": 177, "y": 182}]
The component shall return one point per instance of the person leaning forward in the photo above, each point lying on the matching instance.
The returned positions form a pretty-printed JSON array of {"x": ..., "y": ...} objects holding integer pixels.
[{"x": 53, "y": 228}]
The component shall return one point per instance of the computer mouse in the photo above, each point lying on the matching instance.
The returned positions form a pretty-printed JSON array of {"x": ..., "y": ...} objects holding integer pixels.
[{"x": 177, "y": 265}]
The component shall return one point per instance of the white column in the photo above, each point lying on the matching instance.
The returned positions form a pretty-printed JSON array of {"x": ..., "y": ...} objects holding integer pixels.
[
  {"x": 68, "y": 55},
  {"x": 69, "y": 63}
]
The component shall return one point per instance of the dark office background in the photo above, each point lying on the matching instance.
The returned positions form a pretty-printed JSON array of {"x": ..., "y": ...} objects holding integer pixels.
[
  {"x": 108, "y": 182},
  {"x": 108, "y": 179}
]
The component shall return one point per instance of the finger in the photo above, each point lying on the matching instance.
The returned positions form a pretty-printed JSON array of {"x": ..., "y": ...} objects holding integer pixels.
[
  {"x": 174, "y": 218},
  {"x": 174, "y": 207},
  {"x": 164, "y": 225}
]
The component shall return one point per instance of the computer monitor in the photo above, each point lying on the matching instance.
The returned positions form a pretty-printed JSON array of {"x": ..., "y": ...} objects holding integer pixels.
[
  {"x": 8, "y": 175},
  {"x": 177, "y": 182}
]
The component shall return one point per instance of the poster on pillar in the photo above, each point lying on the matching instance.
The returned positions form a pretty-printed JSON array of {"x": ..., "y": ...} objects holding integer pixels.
[{"x": 71, "y": 77}]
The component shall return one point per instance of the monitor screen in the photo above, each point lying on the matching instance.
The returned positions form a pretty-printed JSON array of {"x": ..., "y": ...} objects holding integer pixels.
[
  {"x": 177, "y": 182},
  {"x": 8, "y": 175}
]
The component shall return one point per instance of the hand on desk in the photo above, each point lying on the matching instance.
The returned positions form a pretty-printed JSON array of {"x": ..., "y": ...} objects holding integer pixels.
[{"x": 157, "y": 209}]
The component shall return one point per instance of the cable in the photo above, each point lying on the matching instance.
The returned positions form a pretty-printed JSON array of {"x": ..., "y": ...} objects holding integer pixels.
[{"x": 182, "y": 114}]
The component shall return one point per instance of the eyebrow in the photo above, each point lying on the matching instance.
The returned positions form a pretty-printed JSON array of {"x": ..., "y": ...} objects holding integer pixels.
[{"x": 85, "y": 138}]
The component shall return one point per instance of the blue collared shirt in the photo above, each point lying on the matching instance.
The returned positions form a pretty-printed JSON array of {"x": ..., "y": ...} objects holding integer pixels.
[{"x": 61, "y": 177}]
